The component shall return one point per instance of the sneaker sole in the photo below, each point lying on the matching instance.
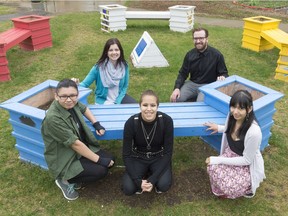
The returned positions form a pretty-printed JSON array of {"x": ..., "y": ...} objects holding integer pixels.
[
  {"x": 64, "y": 192},
  {"x": 78, "y": 188},
  {"x": 248, "y": 197},
  {"x": 158, "y": 192}
]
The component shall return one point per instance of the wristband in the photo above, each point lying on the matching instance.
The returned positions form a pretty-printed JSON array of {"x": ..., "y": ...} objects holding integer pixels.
[
  {"x": 97, "y": 126},
  {"x": 104, "y": 161}
]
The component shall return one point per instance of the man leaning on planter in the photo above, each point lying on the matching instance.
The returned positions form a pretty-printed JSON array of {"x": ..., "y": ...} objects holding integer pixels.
[{"x": 204, "y": 64}]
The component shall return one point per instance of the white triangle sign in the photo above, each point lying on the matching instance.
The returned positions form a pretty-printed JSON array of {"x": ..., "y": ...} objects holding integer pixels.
[{"x": 146, "y": 54}]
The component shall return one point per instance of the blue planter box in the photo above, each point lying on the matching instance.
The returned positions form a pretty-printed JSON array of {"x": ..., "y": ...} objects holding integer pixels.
[
  {"x": 218, "y": 95},
  {"x": 27, "y": 110}
]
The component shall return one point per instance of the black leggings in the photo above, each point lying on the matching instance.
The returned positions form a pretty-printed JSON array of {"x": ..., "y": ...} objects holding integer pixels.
[
  {"x": 163, "y": 184},
  {"x": 128, "y": 100},
  {"x": 92, "y": 171}
]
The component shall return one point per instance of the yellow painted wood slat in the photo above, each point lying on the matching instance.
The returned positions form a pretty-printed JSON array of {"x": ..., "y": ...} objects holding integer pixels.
[
  {"x": 281, "y": 76},
  {"x": 283, "y": 60},
  {"x": 256, "y": 41},
  {"x": 284, "y": 50},
  {"x": 276, "y": 36},
  {"x": 282, "y": 69},
  {"x": 257, "y": 48},
  {"x": 251, "y": 33}
]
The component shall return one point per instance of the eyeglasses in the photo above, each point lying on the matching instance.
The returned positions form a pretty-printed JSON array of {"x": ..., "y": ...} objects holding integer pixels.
[
  {"x": 65, "y": 97},
  {"x": 199, "y": 38}
]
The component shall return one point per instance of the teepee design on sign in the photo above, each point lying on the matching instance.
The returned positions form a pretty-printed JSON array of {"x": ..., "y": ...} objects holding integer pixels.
[{"x": 146, "y": 54}]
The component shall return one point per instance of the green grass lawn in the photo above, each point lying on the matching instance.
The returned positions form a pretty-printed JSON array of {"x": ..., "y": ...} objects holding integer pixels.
[
  {"x": 265, "y": 3},
  {"x": 77, "y": 44}
]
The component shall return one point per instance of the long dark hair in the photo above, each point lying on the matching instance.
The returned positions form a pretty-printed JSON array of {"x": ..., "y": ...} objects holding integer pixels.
[
  {"x": 244, "y": 99},
  {"x": 106, "y": 48}
]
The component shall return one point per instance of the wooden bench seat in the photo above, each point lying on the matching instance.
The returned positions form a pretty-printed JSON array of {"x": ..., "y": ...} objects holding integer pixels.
[
  {"x": 147, "y": 15},
  {"x": 188, "y": 118},
  {"x": 13, "y": 37},
  {"x": 276, "y": 36}
]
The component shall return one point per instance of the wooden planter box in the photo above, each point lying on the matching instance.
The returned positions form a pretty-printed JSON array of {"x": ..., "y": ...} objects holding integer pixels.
[
  {"x": 27, "y": 110},
  {"x": 113, "y": 17},
  {"x": 218, "y": 95},
  {"x": 181, "y": 18},
  {"x": 40, "y": 31},
  {"x": 31, "y": 32},
  {"x": 253, "y": 26}
]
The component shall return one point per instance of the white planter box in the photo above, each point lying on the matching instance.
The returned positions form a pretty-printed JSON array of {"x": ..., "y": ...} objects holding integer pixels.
[
  {"x": 181, "y": 10},
  {"x": 113, "y": 10}
]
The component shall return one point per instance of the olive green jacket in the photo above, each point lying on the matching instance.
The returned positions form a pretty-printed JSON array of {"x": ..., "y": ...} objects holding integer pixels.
[{"x": 59, "y": 132}]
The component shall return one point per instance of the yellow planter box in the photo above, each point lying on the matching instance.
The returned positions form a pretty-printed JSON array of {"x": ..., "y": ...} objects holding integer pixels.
[
  {"x": 261, "y": 23},
  {"x": 262, "y": 33},
  {"x": 253, "y": 27}
]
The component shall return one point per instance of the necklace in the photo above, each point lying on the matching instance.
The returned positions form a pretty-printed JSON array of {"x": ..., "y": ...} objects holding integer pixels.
[{"x": 147, "y": 137}]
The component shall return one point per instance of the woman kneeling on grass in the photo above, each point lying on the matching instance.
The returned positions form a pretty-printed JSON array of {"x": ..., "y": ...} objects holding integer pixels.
[
  {"x": 239, "y": 169},
  {"x": 147, "y": 148}
]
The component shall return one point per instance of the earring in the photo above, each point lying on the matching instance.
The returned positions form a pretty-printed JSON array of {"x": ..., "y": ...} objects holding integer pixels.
[{"x": 247, "y": 116}]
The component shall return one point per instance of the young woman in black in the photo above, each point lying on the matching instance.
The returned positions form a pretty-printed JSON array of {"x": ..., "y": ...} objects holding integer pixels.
[{"x": 147, "y": 148}]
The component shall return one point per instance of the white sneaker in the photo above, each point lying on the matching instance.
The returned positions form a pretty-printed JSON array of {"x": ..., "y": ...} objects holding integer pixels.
[
  {"x": 249, "y": 195},
  {"x": 138, "y": 192},
  {"x": 158, "y": 191}
]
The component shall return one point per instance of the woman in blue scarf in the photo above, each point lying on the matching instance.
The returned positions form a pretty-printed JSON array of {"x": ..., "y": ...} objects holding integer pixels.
[{"x": 111, "y": 75}]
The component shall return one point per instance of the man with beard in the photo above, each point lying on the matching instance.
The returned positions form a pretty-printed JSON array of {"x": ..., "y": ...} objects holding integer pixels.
[{"x": 204, "y": 63}]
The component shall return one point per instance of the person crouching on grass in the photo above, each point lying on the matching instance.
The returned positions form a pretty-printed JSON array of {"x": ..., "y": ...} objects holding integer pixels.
[
  {"x": 147, "y": 148},
  {"x": 239, "y": 169},
  {"x": 71, "y": 151}
]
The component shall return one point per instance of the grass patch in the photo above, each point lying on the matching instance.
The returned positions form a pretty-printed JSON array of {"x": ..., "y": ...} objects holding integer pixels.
[
  {"x": 265, "y": 3},
  {"x": 77, "y": 44},
  {"x": 6, "y": 9}
]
